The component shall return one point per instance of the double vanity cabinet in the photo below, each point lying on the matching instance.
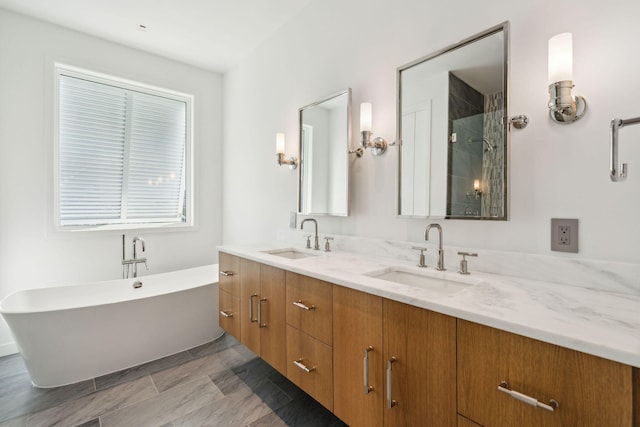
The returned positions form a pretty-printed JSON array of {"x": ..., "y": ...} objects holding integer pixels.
[{"x": 374, "y": 361}]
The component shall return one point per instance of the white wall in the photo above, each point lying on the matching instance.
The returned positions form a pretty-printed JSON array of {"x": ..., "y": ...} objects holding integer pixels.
[
  {"x": 30, "y": 254},
  {"x": 555, "y": 171}
]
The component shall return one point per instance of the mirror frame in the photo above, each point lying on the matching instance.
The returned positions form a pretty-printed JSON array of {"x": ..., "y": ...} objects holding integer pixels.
[
  {"x": 504, "y": 28},
  {"x": 346, "y": 91}
]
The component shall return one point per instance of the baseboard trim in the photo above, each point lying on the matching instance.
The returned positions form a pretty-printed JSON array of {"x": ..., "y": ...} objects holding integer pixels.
[{"x": 8, "y": 348}]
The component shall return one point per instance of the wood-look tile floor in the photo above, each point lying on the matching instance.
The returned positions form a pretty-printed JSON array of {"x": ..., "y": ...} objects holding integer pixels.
[{"x": 220, "y": 383}]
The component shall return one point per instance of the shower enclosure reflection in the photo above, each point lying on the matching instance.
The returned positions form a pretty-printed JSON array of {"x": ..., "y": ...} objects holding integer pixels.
[
  {"x": 476, "y": 151},
  {"x": 451, "y": 109}
]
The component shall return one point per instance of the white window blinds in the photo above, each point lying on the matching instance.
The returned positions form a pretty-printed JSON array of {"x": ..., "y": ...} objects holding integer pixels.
[{"x": 122, "y": 154}]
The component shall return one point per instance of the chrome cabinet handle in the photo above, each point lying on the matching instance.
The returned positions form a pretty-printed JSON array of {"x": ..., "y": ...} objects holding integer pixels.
[
  {"x": 260, "y": 324},
  {"x": 302, "y": 366},
  {"x": 390, "y": 402},
  {"x": 367, "y": 387},
  {"x": 224, "y": 313},
  {"x": 226, "y": 273},
  {"x": 300, "y": 304},
  {"x": 251, "y": 319},
  {"x": 552, "y": 406}
]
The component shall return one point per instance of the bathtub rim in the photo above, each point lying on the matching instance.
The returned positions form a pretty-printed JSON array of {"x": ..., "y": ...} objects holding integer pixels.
[{"x": 214, "y": 268}]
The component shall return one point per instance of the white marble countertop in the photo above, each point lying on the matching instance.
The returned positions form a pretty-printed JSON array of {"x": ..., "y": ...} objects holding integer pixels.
[{"x": 598, "y": 322}]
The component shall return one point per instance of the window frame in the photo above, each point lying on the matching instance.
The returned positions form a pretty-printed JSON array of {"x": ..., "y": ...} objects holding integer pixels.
[{"x": 126, "y": 84}]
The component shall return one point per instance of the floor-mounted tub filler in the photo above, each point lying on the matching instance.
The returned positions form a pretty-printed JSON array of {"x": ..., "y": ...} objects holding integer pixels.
[{"x": 72, "y": 333}]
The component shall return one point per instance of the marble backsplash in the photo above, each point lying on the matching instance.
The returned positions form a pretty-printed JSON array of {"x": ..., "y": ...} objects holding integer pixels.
[{"x": 593, "y": 274}]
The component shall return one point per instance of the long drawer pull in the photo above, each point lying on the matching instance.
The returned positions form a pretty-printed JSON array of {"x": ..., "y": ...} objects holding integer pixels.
[
  {"x": 390, "y": 402},
  {"x": 260, "y": 324},
  {"x": 224, "y": 313},
  {"x": 552, "y": 406},
  {"x": 367, "y": 388},
  {"x": 251, "y": 297},
  {"x": 303, "y": 306},
  {"x": 302, "y": 366},
  {"x": 226, "y": 273}
]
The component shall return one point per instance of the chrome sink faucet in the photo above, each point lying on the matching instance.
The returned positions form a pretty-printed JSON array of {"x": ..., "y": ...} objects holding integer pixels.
[
  {"x": 440, "y": 266},
  {"x": 316, "y": 246}
]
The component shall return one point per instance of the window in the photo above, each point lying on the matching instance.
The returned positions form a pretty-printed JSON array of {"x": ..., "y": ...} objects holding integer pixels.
[{"x": 122, "y": 153}]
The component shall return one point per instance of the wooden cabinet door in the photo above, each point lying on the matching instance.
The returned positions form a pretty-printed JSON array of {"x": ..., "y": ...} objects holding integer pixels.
[
  {"x": 422, "y": 345},
  {"x": 272, "y": 317},
  {"x": 229, "y": 315},
  {"x": 249, "y": 295},
  {"x": 357, "y": 328},
  {"x": 309, "y": 306},
  {"x": 229, "y": 275},
  {"x": 310, "y": 366},
  {"x": 590, "y": 391},
  {"x": 465, "y": 422}
]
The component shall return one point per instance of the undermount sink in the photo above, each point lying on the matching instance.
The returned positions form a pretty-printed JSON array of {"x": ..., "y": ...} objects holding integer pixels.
[
  {"x": 290, "y": 253},
  {"x": 437, "y": 285}
]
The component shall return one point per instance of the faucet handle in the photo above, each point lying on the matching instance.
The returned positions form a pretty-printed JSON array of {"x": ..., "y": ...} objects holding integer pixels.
[
  {"x": 327, "y": 248},
  {"x": 463, "y": 262},
  {"x": 308, "y": 236},
  {"x": 421, "y": 261}
]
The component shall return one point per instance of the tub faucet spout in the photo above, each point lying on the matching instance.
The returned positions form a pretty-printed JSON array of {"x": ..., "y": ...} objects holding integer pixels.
[
  {"x": 136, "y": 240},
  {"x": 133, "y": 262},
  {"x": 137, "y": 260}
]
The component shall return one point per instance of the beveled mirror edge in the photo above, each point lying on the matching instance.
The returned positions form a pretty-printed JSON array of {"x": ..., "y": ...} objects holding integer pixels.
[
  {"x": 504, "y": 28},
  {"x": 346, "y": 91}
]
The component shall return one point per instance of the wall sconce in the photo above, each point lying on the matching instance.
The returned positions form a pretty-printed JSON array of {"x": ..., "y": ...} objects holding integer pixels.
[
  {"x": 564, "y": 108},
  {"x": 476, "y": 188},
  {"x": 293, "y": 161},
  {"x": 379, "y": 144}
]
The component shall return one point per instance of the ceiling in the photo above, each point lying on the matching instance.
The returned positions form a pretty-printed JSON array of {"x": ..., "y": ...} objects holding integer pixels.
[{"x": 212, "y": 34}]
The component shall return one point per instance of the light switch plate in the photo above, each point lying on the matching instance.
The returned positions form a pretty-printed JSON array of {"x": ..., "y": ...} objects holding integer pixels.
[
  {"x": 293, "y": 219},
  {"x": 564, "y": 235}
]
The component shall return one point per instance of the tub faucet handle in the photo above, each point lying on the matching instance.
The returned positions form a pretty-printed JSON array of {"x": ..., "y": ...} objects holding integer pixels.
[{"x": 463, "y": 262}]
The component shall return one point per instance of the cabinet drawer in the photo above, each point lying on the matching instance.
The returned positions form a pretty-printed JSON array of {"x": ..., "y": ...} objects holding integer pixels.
[
  {"x": 229, "y": 313},
  {"x": 229, "y": 275},
  {"x": 310, "y": 306},
  {"x": 590, "y": 391},
  {"x": 310, "y": 366}
]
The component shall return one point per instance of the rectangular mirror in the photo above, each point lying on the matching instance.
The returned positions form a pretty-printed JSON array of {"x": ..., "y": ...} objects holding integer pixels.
[
  {"x": 325, "y": 129},
  {"x": 452, "y": 125}
]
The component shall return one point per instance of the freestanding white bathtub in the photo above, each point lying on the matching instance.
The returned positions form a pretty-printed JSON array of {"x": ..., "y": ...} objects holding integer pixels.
[{"x": 71, "y": 333}]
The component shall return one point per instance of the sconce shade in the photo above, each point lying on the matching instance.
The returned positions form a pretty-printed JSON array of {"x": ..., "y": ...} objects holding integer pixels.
[
  {"x": 560, "y": 58},
  {"x": 365, "y": 117},
  {"x": 476, "y": 184},
  {"x": 280, "y": 143}
]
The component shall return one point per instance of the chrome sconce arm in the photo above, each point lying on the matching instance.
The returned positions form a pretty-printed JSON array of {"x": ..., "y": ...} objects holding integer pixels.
[
  {"x": 292, "y": 162},
  {"x": 564, "y": 108},
  {"x": 378, "y": 146}
]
